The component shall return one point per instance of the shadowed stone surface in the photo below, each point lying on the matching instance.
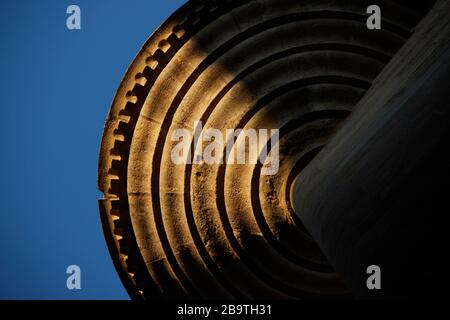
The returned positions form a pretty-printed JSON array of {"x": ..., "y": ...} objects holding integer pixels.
[{"x": 224, "y": 232}]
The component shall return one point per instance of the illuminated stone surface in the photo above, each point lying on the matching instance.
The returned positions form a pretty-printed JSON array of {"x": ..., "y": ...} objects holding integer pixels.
[{"x": 202, "y": 231}]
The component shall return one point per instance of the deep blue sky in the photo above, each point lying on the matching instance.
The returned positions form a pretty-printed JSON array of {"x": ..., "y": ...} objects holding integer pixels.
[{"x": 56, "y": 89}]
